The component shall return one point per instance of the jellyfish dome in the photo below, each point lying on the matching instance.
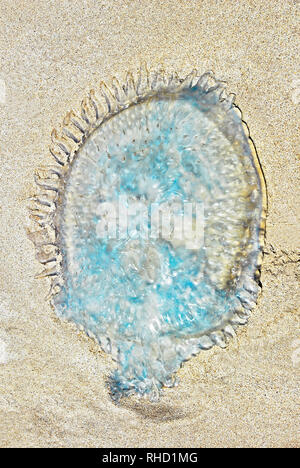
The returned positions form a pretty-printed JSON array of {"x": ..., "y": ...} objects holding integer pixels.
[{"x": 152, "y": 223}]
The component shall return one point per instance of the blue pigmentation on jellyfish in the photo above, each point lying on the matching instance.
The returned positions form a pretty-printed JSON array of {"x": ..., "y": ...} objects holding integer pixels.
[{"x": 153, "y": 302}]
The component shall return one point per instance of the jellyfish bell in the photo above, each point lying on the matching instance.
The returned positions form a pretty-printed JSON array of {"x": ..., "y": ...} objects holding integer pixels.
[{"x": 151, "y": 223}]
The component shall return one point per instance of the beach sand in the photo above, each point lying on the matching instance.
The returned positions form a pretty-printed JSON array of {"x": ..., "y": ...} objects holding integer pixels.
[{"x": 52, "y": 377}]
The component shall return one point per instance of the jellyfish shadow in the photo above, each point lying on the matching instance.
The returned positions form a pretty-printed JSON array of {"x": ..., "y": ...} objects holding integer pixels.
[{"x": 158, "y": 412}]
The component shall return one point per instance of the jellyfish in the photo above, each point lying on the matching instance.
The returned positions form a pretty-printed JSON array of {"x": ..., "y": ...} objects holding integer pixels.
[{"x": 151, "y": 223}]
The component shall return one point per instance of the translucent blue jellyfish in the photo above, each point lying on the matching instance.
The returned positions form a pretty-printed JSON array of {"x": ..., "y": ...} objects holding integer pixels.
[{"x": 138, "y": 157}]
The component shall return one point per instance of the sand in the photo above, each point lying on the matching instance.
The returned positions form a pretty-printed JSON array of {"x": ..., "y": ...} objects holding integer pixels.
[{"x": 52, "y": 377}]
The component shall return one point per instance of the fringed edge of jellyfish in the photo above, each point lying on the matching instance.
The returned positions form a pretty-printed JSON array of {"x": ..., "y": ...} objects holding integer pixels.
[{"x": 45, "y": 206}]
